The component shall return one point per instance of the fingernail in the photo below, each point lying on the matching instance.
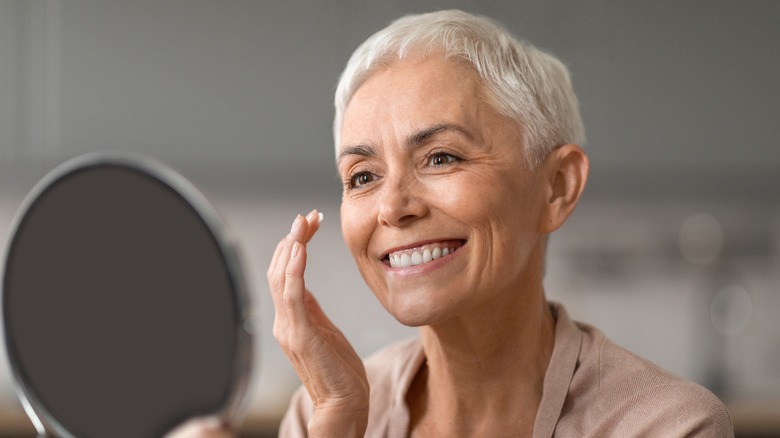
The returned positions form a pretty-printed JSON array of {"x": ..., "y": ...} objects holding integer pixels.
[
  {"x": 295, "y": 249},
  {"x": 320, "y": 216},
  {"x": 295, "y": 223},
  {"x": 310, "y": 217}
]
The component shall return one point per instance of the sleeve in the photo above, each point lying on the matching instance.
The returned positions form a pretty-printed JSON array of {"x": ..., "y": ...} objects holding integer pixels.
[
  {"x": 296, "y": 420},
  {"x": 702, "y": 415},
  {"x": 636, "y": 398},
  {"x": 676, "y": 411}
]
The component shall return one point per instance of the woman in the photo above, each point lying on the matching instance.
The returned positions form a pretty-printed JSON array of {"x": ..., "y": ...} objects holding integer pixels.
[{"x": 458, "y": 148}]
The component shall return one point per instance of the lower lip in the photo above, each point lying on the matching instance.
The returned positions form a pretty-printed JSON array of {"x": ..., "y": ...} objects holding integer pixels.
[{"x": 422, "y": 268}]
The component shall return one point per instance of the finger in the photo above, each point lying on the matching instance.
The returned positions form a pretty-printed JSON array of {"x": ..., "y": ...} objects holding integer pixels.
[
  {"x": 275, "y": 257},
  {"x": 276, "y": 280},
  {"x": 278, "y": 273},
  {"x": 312, "y": 223},
  {"x": 201, "y": 428},
  {"x": 295, "y": 289},
  {"x": 299, "y": 230},
  {"x": 282, "y": 257},
  {"x": 314, "y": 219},
  {"x": 276, "y": 270}
]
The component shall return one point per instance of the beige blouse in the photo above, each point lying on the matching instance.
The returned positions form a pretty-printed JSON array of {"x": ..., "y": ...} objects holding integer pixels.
[{"x": 592, "y": 388}]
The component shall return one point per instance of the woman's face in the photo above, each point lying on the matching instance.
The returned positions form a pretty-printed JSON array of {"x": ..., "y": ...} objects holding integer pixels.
[{"x": 439, "y": 209}]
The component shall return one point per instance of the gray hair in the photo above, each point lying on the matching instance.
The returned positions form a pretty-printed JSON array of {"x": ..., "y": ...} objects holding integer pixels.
[{"x": 521, "y": 81}]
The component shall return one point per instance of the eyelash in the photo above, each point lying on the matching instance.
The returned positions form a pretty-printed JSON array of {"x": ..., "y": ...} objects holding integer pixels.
[
  {"x": 451, "y": 158},
  {"x": 352, "y": 182}
]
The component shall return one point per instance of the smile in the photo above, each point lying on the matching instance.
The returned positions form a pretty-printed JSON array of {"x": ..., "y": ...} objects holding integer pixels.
[{"x": 422, "y": 254}]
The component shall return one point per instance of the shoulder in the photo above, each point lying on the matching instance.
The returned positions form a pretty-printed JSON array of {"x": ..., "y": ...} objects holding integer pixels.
[
  {"x": 390, "y": 371},
  {"x": 618, "y": 392},
  {"x": 392, "y": 361}
]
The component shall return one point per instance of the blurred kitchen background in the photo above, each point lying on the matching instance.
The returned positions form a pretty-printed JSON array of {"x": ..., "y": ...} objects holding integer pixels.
[{"x": 674, "y": 251}]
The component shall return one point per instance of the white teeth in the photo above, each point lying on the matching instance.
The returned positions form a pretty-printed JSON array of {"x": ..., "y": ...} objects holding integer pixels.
[{"x": 418, "y": 256}]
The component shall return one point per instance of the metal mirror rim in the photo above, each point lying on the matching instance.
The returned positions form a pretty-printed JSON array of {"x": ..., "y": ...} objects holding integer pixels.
[{"x": 232, "y": 412}]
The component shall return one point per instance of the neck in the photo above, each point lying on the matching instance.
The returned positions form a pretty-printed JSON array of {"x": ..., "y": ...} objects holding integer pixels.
[
  {"x": 494, "y": 349},
  {"x": 487, "y": 365}
]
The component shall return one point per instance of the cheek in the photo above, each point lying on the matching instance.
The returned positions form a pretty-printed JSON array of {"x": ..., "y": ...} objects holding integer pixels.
[
  {"x": 356, "y": 227},
  {"x": 460, "y": 195},
  {"x": 358, "y": 223},
  {"x": 501, "y": 210},
  {"x": 477, "y": 199}
]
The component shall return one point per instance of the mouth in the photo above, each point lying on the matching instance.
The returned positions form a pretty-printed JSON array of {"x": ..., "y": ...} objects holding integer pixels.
[{"x": 422, "y": 254}]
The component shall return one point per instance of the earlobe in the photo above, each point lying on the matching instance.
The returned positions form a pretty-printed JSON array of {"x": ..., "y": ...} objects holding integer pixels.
[{"x": 568, "y": 173}]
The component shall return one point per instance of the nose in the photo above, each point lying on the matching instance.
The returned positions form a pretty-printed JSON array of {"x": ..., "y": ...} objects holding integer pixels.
[{"x": 401, "y": 202}]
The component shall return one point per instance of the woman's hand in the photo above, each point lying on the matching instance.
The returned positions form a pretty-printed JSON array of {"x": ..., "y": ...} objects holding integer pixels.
[
  {"x": 326, "y": 363},
  {"x": 201, "y": 428}
]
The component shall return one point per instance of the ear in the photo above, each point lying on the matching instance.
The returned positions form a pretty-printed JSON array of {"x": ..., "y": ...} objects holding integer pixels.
[{"x": 566, "y": 171}]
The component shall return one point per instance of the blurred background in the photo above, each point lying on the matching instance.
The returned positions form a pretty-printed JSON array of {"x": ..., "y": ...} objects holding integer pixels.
[{"x": 673, "y": 252}]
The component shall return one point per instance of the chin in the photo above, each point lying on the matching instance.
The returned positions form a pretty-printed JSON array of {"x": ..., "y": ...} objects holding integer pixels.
[
  {"x": 414, "y": 312},
  {"x": 411, "y": 321},
  {"x": 418, "y": 302}
]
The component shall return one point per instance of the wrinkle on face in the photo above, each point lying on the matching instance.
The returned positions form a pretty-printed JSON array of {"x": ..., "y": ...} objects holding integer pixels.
[{"x": 490, "y": 199}]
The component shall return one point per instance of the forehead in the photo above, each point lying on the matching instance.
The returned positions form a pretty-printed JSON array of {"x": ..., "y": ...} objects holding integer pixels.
[{"x": 412, "y": 94}]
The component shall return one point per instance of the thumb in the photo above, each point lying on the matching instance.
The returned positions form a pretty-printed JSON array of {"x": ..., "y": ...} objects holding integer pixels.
[{"x": 316, "y": 313}]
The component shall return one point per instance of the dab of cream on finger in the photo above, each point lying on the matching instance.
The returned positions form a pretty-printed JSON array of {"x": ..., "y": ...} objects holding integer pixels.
[{"x": 311, "y": 216}]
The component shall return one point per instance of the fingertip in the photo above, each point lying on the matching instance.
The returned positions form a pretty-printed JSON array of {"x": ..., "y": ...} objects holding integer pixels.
[
  {"x": 313, "y": 219},
  {"x": 301, "y": 229},
  {"x": 314, "y": 216},
  {"x": 296, "y": 223}
]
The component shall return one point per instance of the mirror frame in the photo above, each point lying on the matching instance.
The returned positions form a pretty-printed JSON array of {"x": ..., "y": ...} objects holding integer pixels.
[{"x": 233, "y": 411}]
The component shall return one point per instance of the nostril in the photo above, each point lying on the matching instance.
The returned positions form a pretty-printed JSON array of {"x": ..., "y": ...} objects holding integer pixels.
[{"x": 400, "y": 206}]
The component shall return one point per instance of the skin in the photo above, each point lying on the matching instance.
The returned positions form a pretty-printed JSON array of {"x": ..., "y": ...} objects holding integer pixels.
[
  {"x": 425, "y": 159},
  {"x": 201, "y": 428},
  {"x": 481, "y": 193},
  {"x": 429, "y": 160}
]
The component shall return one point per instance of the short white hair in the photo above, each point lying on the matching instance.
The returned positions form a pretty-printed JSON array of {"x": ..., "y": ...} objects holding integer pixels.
[{"x": 521, "y": 81}]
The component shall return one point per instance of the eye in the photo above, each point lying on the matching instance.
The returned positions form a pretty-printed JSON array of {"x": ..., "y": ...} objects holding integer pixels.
[
  {"x": 360, "y": 179},
  {"x": 439, "y": 159}
]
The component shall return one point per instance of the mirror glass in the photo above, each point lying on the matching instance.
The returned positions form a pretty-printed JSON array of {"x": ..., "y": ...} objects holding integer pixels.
[{"x": 123, "y": 305}]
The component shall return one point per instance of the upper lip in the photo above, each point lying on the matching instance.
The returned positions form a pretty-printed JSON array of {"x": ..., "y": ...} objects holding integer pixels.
[{"x": 419, "y": 244}]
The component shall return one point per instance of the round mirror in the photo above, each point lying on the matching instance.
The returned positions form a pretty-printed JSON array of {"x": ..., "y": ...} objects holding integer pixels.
[{"x": 124, "y": 306}]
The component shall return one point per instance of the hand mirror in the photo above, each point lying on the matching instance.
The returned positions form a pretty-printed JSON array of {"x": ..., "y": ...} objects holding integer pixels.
[{"x": 123, "y": 304}]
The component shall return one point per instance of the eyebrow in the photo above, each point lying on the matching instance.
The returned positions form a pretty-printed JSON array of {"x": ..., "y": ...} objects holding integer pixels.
[
  {"x": 414, "y": 140},
  {"x": 361, "y": 149},
  {"x": 421, "y": 136}
]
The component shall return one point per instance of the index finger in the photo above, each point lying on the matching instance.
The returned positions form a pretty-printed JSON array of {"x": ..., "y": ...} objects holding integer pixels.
[{"x": 314, "y": 219}]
